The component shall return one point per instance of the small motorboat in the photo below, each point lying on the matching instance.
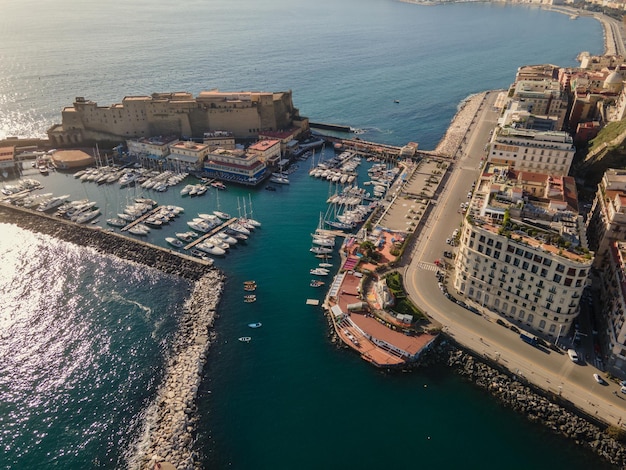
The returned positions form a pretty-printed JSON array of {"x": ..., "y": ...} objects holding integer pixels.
[
  {"x": 255, "y": 325},
  {"x": 316, "y": 283},
  {"x": 319, "y": 272},
  {"x": 249, "y": 298},
  {"x": 174, "y": 242},
  {"x": 245, "y": 339}
]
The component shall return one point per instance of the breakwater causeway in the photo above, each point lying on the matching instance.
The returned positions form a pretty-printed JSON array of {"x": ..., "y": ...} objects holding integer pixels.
[
  {"x": 170, "y": 421},
  {"x": 104, "y": 241}
]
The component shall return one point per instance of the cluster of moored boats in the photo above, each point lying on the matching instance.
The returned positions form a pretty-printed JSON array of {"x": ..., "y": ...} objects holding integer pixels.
[
  {"x": 147, "y": 179},
  {"x": 323, "y": 243},
  {"x": 79, "y": 211},
  {"x": 339, "y": 169}
]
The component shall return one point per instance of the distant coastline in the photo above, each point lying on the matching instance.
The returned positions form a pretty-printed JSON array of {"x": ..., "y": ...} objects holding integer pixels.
[{"x": 613, "y": 29}]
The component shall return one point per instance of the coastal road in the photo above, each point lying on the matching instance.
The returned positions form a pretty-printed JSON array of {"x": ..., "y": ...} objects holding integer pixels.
[{"x": 545, "y": 368}]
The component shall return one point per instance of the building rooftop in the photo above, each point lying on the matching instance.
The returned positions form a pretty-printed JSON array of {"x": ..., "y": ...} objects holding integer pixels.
[{"x": 263, "y": 145}]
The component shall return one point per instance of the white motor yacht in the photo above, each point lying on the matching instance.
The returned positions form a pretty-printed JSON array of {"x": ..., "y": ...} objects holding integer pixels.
[{"x": 211, "y": 249}]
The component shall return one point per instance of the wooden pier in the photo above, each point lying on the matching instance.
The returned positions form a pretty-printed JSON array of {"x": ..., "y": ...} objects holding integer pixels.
[
  {"x": 138, "y": 220},
  {"x": 210, "y": 233}
]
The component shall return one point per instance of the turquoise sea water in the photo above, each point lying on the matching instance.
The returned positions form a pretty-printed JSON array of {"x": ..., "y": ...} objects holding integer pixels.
[{"x": 83, "y": 336}]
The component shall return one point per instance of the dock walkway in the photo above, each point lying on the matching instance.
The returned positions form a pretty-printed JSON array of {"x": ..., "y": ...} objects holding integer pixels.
[{"x": 210, "y": 233}]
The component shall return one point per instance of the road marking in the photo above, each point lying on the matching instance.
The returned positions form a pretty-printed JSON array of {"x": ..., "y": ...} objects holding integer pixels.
[{"x": 427, "y": 266}]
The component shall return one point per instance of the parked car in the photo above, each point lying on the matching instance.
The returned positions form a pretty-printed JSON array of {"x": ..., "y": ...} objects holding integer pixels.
[
  {"x": 514, "y": 329},
  {"x": 572, "y": 355},
  {"x": 598, "y": 379},
  {"x": 501, "y": 322},
  {"x": 555, "y": 348}
]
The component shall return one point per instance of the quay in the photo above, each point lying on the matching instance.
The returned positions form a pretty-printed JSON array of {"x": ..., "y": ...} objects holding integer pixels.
[
  {"x": 330, "y": 127},
  {"x": 384, "y": 151}
]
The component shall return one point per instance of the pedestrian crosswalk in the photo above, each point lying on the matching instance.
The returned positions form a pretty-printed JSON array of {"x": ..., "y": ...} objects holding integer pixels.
[{"x": 427, "y": 266}]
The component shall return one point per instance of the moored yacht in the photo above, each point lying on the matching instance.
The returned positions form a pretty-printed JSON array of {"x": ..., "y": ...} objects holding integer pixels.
[
  {"x": 175, "y": 242},
  {"x": 211, "y": 249},
  {"x": 222, "y": 215}
]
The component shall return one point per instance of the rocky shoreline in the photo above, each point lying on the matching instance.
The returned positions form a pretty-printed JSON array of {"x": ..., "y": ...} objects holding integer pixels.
[
  {"x": 554, "y": 412},
  {"x": 460, "y": 125}
]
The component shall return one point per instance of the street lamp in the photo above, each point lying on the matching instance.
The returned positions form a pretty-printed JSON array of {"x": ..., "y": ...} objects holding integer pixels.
[{"x": 559, "y": 335}]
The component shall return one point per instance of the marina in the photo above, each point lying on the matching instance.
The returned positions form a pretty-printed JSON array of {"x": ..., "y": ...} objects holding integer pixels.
[{"x": 279, "y": 381}]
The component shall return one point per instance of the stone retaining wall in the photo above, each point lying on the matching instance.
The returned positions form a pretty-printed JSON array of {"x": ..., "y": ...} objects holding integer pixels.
[{"x": 515, "y": 393}]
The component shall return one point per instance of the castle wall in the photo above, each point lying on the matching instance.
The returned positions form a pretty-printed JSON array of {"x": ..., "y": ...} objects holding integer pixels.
[{"x": 243, "y": 114}]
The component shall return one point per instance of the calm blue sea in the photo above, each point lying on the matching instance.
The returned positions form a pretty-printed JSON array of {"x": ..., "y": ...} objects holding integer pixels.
[{"x": 83, "y": 336}]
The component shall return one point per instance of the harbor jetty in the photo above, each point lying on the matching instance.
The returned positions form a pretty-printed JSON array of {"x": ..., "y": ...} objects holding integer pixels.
[
  {"x": 104, "y": 241},
  {"x": 169, "y": 425}
]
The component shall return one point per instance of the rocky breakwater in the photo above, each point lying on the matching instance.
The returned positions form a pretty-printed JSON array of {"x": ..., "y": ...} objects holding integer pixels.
[
  {"x": 171, "y": 419},
  {"x": 554, "y": 412},
  {"x": 103, "y": 241},
  {"x": 460, "y": 126}
]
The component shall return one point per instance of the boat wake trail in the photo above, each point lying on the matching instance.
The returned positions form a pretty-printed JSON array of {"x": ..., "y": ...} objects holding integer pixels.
[{"x": 119, "y": 298}]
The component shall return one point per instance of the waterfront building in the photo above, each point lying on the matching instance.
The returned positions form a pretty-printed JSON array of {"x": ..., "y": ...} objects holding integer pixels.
[
  {"x": 612, "y": 287},
  {"x": 219, "y": 139},
  {"x": 516, "y": 114},
  {"x": 151, "y": 151},
  {"x": 522, "y": 250},
  {"x": 288, "y": 139},
  {"x": 235, "y": 165},
  {"x": 538, "y": 72},
  {"x": 7, "y": 160},
  {"x": 599, "y": 62},
  {"x": 244, "y": 114},
  {"x": 531, "y": 150},
  {"x": 267, "y": 150},
  {"x": 188, "y": 155},
  {"x": 607, "y": 218}
]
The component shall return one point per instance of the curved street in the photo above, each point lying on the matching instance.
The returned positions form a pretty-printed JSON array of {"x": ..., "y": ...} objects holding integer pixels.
[{"x": 545, "y": 368}]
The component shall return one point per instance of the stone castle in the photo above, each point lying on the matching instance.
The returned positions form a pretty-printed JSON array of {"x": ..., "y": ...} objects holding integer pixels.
[{"x": 244, "y": 114}]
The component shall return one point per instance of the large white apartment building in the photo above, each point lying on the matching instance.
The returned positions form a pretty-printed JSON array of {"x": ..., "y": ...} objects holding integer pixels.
[
  {"x": 549, "y": 152},
  {"x": 613, "y": 316},
  {"x": 521, "y": 252},
  {"x": 541, "y": 98},
  {"x": 607, "y": 220}
]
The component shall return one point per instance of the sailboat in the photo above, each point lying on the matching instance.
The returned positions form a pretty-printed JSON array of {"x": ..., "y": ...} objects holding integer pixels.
[
  {"x": 219, "y": 213},
  {"x": 249, "y": 220}
]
